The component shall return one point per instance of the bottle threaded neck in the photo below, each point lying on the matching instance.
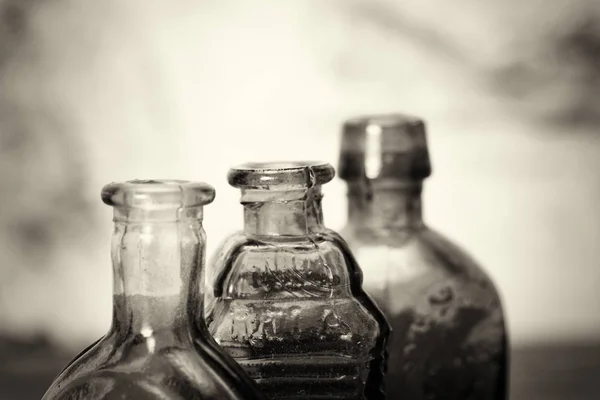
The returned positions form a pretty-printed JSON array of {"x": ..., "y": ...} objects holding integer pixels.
[
  {"x": 297, "y": 215},
  {"x": 281, "y": 198}
]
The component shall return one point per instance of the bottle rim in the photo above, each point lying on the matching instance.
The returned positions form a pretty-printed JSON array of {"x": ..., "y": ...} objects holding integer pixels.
[
  {"x": 280, "y": 175},
  {"x": 157, "y": 194}
]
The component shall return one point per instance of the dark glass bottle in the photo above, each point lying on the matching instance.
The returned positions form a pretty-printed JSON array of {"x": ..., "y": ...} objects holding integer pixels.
[
  {"x": 449, "y": 340},
  {"x": 286, "y": 299},
  {"x": 154, "y": 348}
]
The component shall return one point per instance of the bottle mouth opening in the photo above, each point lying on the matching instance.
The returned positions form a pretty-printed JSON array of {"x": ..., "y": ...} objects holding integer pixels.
[
  {"x": 154, "y": 194},
  {"x": 164, "y": 182},
  {"x": 277, "y": 165},
  {"x": 389, "y": 120},
  {"x": 280, "y": 175}
]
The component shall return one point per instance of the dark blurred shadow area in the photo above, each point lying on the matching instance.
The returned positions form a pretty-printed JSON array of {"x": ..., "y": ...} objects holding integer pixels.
[
  {"x": 94, "y": 92},
  {"x": 556, "y": 372},
  {"x": 567, "y": 371},
  {"x": 28, "y": 367}
]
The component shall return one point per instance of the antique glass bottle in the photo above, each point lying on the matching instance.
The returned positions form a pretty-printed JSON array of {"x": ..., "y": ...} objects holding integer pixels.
[
  {"x": 154, "y": 348},
  {"x": 286, "y": 296},
  {"x": 449, "y": 338}
]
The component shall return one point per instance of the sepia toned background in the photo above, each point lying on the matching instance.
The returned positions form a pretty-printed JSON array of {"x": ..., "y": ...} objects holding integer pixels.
[{"x": 101, "y": 91}]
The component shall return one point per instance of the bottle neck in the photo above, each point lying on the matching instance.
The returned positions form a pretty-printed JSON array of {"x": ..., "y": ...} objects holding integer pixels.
[
  {"x": 157, "y": 270},
  {"x": 290, "y": 213},
  {"x": 383, "y": 207}
]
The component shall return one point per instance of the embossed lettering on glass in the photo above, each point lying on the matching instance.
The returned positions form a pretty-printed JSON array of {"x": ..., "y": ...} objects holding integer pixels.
[
  {"x": 285, "y": 297},
  {"x": 449, "y": 340},
  {"x": 154, "y": 348}
]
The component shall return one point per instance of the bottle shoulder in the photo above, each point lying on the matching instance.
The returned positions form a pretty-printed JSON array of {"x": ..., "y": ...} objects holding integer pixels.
[
  {"x": 83, "y": 364},
  {"x": 134, "y": 367},
  {"x": 424, "y": 269},
  {"x": 250, "y": 266},
  {"x": 99, "y": 385},
  {"x": 241, "y": 244},
  {"x": 423, "y": 249},
  {"x": 146, "y": 384}
]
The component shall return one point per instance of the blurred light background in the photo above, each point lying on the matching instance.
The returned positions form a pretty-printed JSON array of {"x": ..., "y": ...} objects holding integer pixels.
[{"x": 94, "y": 92}]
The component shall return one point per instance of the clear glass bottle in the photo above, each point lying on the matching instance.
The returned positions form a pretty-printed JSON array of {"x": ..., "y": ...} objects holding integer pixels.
[
  {"x": 154, "y": 348},
  {"x": 449, "y": 340},
  {"x": 287, "y": 301}
]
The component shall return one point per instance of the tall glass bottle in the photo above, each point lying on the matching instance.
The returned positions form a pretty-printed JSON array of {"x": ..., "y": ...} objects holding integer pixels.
[
  {"x": 154, "y": 349},
  {"x": 287, "y": 301},
  {"x": 449, "y": 338}
]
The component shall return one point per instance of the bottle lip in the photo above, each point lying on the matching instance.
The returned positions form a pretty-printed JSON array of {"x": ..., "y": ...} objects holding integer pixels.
[
  {"x": 280, "y": 175},
  {"x": 157, "y": 194},
  {"x": 384, "y": 146},
  {"x": 395, "y": 133}
]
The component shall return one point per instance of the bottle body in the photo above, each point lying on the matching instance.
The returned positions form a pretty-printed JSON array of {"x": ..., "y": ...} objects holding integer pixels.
[
  {"x": 285, "y": 298},
  {"x": 154, "y": 349},
  {"x": 449, "y": 338},
  {"x": 290, "y": 320}
]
